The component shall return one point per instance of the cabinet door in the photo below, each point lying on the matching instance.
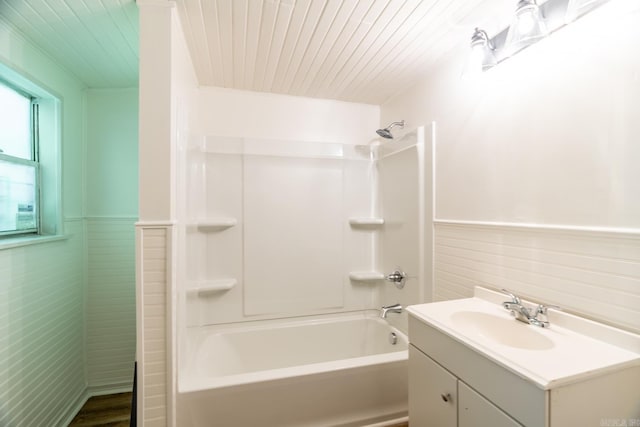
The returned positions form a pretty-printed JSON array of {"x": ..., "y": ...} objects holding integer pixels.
[
  {"x": 432, "y": 392},
  {"x": 474, "y": 410}
]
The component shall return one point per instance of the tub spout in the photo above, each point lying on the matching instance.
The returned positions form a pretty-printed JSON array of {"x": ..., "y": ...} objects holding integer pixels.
[{"x": 396, "y": 308}]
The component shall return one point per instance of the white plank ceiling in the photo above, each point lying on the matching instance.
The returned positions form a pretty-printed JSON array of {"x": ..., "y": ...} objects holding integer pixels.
[
  {"x": 95, "y": 40},
  {"x": 352, "y": 50}
]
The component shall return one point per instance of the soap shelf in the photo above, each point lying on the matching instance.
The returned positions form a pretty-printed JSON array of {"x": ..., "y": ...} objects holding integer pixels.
[
  {"x": 208, "y": 287},
  {"x": 366, "y": 221},
  {"x": 366, "y": 276},
  {"x": 214, "y": 224}
]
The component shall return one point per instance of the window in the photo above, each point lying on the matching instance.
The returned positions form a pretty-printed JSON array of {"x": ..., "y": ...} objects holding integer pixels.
[{"x": 19, "y": 167}]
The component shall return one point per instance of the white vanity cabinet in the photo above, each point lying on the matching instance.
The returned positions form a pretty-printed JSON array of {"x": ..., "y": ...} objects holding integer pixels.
[
  {"x": 504, "y": 373},
  {"x": 439, "y": 399}
]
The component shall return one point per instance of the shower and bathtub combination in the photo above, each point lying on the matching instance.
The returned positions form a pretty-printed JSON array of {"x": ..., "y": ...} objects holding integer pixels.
[{"x": 288, "y": 252}]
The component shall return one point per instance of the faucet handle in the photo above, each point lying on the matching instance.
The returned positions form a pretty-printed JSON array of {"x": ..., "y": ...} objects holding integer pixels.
[
  {"x": 514, "y": 298},
  {"x": 539, "y": 317},
  {"x": 398, "y": 278},
  {"x": 542, "y": 308}
]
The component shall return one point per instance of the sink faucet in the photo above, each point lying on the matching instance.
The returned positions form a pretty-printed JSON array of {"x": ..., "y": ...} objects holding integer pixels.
[
  {"x": 395, "y": 308},
  {"x": 533, "y": 316}
]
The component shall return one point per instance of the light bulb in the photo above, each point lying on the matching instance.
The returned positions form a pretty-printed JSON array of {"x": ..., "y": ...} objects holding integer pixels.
[
  {"x": 527, "y": 27},
  {"x": 526, "y": 22},
  {"x": 481, "y": 57},
  {"x": 475, "y": 59}
]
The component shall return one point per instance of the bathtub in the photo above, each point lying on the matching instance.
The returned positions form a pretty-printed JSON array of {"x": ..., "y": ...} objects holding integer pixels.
[{"x": 321, "y": 371}]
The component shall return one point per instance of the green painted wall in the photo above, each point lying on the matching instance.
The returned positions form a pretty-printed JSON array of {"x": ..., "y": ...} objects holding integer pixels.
[
  {"x": 112, "y": 152},
  {"x": 42, "y": 344},
  {"x": 111, "y": 210},
  {"x": 67, "y": 308}
]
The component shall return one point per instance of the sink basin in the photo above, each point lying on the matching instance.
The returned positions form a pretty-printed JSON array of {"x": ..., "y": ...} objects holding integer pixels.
[
  {"x": 572, "y": 348},
  {"x": 501, "y": 330}
]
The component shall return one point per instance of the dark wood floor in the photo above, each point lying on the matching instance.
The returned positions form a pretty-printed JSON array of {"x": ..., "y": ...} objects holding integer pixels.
[{"x": 112, "y": 410}]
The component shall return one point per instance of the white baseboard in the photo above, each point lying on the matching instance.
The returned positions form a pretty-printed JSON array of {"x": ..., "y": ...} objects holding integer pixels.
[
  {"x": 101, "y": 390},
  {"x": 387, "y": 423}
]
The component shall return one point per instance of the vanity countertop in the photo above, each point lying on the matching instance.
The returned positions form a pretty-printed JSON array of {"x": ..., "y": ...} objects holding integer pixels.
[{"x": 571, "y": 349}]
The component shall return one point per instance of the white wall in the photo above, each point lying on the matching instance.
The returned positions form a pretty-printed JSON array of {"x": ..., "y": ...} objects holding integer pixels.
[
  {"x": 111, "y": 211},
  {"x": 547, "y": 138},
  {"x": 166, "y": 78},
  {"x": 42, "y": 354},
  {"x": 236, "y": 113}
]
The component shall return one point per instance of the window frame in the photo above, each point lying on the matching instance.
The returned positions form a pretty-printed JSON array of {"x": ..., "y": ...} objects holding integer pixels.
[{"x": 34, "y": 161}]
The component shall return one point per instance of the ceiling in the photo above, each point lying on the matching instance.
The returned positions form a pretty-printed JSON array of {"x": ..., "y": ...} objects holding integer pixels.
[
  {"x": 95, "y": 40},
  {"x": 351, "y": 50}
]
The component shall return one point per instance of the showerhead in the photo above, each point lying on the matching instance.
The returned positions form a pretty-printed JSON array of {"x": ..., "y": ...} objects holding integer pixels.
[{"x": 386, "y": 132}]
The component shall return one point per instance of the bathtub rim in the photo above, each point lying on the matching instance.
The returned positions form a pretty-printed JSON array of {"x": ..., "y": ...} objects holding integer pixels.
[
  {"x": 291, "y": 321},
  {"x": 188, "y": 385}
]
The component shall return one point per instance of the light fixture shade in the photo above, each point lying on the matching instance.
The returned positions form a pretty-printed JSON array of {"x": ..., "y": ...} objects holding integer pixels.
[
  {"x": 482, "y": 56},
  {"x": 527, "y": 27},
  {"x": 577, "y": 8}
]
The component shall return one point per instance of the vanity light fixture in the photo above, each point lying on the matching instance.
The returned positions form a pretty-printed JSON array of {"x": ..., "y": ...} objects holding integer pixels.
[
  {"x": 482, "y": 53},
  {"x": 527, "y": 27},
  {"x": 531, "y": 23}
]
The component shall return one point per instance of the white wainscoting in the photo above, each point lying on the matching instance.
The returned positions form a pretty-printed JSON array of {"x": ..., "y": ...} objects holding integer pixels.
[
  {"x": 42, "y": 378},
  {"x": 110, "y": 299},
  {"x": 594, "y": 273},
  {"x": 153, "y": 281}
]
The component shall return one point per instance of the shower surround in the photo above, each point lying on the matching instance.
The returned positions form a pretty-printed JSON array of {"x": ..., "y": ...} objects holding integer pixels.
[{"x": 295, "y": 231}]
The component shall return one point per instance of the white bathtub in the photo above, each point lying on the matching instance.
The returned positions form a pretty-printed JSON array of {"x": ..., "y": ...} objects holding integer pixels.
[{"x": 336, "y": 371}]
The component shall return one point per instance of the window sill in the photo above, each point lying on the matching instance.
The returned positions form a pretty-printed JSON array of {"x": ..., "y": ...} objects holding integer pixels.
[{"x": 16, "y": 242}]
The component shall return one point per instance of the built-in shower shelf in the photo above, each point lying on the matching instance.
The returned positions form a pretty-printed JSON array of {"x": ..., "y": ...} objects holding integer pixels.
[
  {"x": 214, "y": 224},
  {"x": 366, "y": 276},
  {"x": 366, "y": 221},
  {"x": 209, "y": 287}
]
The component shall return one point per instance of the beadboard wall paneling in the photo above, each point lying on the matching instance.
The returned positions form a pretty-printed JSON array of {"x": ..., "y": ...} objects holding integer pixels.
[
  {"x": 111, "y": 307},
  {"x": 153, "y": 361},
  {"x": 593, "y": 273},
  {"x": 42, "y": 374}
]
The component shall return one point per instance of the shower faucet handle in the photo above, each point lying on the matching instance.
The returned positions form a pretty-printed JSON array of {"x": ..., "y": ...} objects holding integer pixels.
[{"x": 398, "y": 278}]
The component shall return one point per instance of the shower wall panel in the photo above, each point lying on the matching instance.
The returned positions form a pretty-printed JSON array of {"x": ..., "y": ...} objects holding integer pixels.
[
  {"x": 268, "y": 231},
  {"x": 293, "y": 235},
  {"x": 224, "y": 199},
  {"x": 402, "y": 169}
]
